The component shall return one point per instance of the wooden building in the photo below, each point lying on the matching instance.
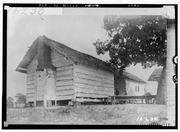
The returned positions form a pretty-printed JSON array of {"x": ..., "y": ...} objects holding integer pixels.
[
  {"x": 156, "y": 75},
  {"x": 57, "y": 73},
  {"x": 129, "y": 84}
]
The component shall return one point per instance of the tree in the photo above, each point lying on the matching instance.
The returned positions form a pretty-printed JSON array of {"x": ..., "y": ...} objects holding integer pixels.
[
  {"x": 10, "y": 102},
  {"x": 132, "y": 40},
  {"x": 20, "y": 98}
]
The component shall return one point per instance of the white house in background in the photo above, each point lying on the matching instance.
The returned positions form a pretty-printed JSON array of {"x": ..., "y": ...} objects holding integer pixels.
[
  {"x": 130, "y": 85},
  {"x": 134, "y": 88}
]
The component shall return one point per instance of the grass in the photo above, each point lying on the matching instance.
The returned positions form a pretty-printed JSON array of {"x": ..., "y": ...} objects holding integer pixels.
[{"x": 88, "y": 114}]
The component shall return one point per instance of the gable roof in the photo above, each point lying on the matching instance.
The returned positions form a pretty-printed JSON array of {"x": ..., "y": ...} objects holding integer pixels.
[
  {"x": 155, "y": 76},
  {"x": 133, "y": 77},
  {"x": 70, "y": 54}
]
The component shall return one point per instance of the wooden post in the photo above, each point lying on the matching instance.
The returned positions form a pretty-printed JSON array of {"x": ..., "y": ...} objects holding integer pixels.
[
  {"x": 170, "y": 85},
  {"x": 55, "y": 103}
]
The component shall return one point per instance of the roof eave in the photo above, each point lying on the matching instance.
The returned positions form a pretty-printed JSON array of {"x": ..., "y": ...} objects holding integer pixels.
[{"x": 22, "y": 70}]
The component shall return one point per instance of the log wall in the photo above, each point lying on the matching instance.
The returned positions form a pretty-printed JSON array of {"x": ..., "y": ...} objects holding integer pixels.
[
  {"x": 31, "y": 81},
  {"x": 92, "y": 82},
  {"x": 64, "y": 76}
]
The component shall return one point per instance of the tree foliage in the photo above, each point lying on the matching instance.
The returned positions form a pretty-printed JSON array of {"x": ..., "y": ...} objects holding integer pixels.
[
  {"x": 134, "y": 39},
  {"x": 10, "y": 102},
  {"x": 20, "y": 98}
]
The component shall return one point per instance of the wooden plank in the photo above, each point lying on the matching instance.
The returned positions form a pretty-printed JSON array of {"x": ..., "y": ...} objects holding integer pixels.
[
  {"x": 64, "y": 68},
  {"x": 90, "y": 95},
  {"x": 62, "y": 63},
  {"x": 30, "y": 79},
  {"x": 61, "y": 78},
  {"x": 87, "y": 86},
  {"x": 94, "y": 70},
  {"x": 64, "y": 87},
  {"x": 30, "y": 87},
  {"x": 91, "y": 82},
  {"x": 94, "y": 91},
  {"x": 65, "y": 73},
  {"x": 31, "y": 75},
  {"x": 67, "y": 97},
  {"x": 30, "y": 91},
  {"x": 93, "y": 74},
  {"x": 30, "y": 82},
  {"x": 64, "y": 92},
  {"x": 62, "y": 83},
  {"x": 40, "y": 98},
  {"x": 92, "y": 77}
]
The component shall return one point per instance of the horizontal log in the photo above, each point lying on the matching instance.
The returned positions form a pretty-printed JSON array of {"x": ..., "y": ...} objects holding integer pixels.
[
  {"x": 93, "y": 70},
  {"x": 61, "y": 78},
  {"x": 67, "y": 97},
  {"x": 93, "y": 77},
  {"x": 94, "y": 91},
  {"x": 87, "y": 100},
  {"x": 31, "y": 79},
  {"x": 30, "y": 87},
  {"x": 58, "y": 64},
  {"x": 66, "y": 73},
  {"x": 31, "y": 82},
  {"x": 64, "y": 92},
  {"x": 91, "y": 82},
  {"x": 33, "y": 75},
  {"x": 38, "y": 98},
  {"x": 90, "y": 95},
  {"x": 64, "y": 87},
  {"x": 87, "y": 86},
  {"x": 30, "y": 91},
  {"x": 62, "y": 83},
  {"x": 64, "y": 68}
]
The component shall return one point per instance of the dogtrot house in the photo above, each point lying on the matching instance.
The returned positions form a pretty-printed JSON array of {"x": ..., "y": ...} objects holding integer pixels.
[{"x": 58, "y": 74}]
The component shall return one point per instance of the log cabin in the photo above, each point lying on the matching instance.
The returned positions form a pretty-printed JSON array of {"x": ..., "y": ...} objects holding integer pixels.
[{"x": 57, "y": 73}]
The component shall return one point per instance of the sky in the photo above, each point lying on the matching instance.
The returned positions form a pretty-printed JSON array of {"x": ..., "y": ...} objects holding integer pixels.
[{"x": 75, "y": 31}]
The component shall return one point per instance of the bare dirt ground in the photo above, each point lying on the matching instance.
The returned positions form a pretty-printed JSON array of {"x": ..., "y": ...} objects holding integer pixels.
[{"x": 126, "y": 114}]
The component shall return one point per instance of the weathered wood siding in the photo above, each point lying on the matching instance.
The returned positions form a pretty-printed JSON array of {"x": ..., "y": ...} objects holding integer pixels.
[
  {"x": 31, "y": 81},
  {"x": 40, "y": 86},
  {"x": 64, "y": 76},
  {"x": 50, "y": 85},
  {"x": 92, "y": 82}
]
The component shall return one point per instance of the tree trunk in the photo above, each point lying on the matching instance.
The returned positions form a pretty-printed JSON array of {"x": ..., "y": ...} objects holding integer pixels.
[{"x": 161, "y": 91}]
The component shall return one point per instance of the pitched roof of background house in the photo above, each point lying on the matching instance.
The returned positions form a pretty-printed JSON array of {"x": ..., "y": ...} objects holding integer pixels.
[
  {"x": 133, "y": 77},
  {"x": 70, "y": 54},
  {"x": 155, "y": 76}
]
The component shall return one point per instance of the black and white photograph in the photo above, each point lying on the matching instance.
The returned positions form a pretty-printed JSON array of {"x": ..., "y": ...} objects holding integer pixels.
[{"x": 91, "y": 64}]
